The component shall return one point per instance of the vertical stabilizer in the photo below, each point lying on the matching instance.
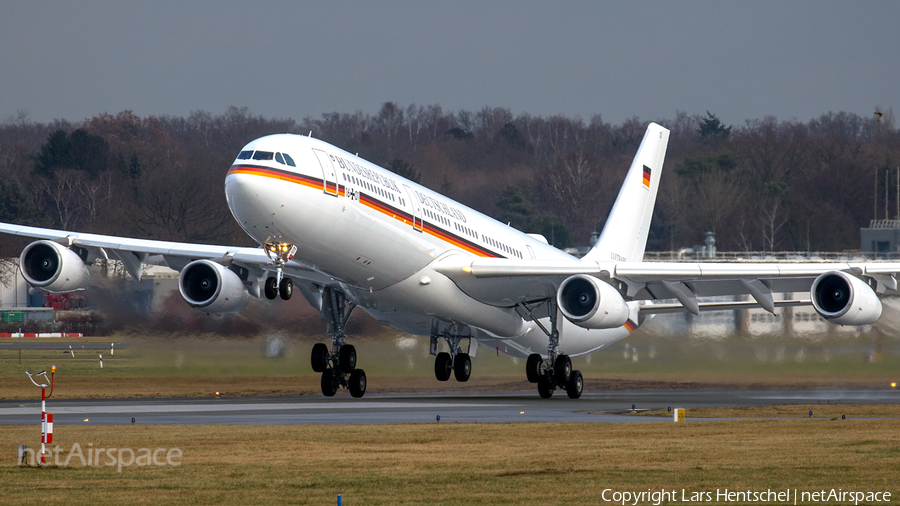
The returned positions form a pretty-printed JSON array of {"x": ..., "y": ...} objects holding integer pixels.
[{"x": 624, "y": 235}]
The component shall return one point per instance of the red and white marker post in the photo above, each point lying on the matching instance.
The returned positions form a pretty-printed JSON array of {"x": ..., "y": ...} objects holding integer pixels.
[{"x": 46, "y": 418}]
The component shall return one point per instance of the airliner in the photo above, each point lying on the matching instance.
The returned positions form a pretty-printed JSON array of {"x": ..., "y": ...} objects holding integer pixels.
[{"x": 349, "y": 234}]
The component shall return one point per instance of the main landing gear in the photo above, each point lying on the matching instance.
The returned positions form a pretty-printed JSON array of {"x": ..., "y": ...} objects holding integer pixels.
[
  {"x": 556, "y": 371},
  {"x": 456, "y": 361},
  {"x": 337, "y": 365}
]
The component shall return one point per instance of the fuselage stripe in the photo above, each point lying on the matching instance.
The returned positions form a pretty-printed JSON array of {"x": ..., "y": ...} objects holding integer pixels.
[
  {"x": 427, "y": 227},
  {"x": 285, "y": 175},
  {"x": 367, "y": 201}
]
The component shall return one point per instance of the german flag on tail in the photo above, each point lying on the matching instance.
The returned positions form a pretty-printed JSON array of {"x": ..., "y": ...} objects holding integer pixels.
[{"x": 646, "y": 176}]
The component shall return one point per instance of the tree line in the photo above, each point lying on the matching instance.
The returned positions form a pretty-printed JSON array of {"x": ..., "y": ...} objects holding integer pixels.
[{"x": 765, "y": 185}]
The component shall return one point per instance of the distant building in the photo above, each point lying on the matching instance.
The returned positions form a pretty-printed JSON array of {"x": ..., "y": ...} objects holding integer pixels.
[
  {"x": 13, "y": 289},
  {"x": 881, "y": 239}
]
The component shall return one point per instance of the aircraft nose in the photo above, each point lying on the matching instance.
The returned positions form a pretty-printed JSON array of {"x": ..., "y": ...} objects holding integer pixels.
[{"x": 242, "y": 193}]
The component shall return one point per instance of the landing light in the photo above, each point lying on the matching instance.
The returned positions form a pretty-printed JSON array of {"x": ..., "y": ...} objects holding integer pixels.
[{"x": 893, "y": 385}]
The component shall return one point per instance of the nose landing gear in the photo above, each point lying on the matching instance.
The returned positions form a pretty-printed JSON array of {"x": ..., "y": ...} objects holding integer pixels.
[
  {"x": 273, "y": 288},
  {"x": 279, "y": 253}
]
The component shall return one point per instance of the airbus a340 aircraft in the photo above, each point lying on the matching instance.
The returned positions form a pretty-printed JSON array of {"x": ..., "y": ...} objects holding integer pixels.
[{"x": 347, "y": 233}]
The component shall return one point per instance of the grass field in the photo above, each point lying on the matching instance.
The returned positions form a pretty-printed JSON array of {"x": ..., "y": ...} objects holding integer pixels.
[
  {"x": 460, "y": 463},
  {"x": 200, "y": 366}
]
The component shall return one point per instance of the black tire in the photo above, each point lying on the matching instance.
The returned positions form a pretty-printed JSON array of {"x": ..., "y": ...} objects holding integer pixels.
[
  {"x": 443, "y": 363},
  {"x": 575, "y": 385},
  {"x": 462, "y": 367},
  {"x": 329, "y": 385},
  {"x": 563, "y": 369},
  {"x": 319, "y": 357},
  {"x": 358, "y": 383},
  {"x": 533, "y": 367},
  {"x": 545, "y": 388},
  {"x": 347, "y": 358},
  {"x": 286, "y": 289},
  {"x": 271, "y": 289}
]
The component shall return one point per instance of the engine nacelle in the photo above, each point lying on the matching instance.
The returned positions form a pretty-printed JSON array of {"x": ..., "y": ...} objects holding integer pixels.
[
  {"x": 54, "y": 268},
  {"x": 591, "y": 303},
  {"x": 212, "y": 287},
  {"x": 844, "y": 299}
]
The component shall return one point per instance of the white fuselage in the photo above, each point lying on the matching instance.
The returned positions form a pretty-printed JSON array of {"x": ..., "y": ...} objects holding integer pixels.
[{"x": 377, "y": 236}]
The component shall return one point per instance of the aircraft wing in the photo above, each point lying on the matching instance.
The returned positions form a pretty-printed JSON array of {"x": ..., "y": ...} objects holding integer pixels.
[
  {"x": 135, "y": 252},
  {"x": 504, "y": 282}
]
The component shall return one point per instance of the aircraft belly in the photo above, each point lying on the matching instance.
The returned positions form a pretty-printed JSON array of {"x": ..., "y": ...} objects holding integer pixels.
[{"x": 414, "y": 303}]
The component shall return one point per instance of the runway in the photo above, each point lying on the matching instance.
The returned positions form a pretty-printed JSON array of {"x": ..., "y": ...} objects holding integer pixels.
[{"x": 417, "y": 408}]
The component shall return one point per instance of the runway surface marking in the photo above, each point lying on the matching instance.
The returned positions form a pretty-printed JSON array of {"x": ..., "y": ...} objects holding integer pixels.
[{"x": 206, "y": 408}]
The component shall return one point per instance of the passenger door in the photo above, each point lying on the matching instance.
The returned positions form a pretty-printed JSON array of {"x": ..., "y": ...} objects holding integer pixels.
[
  {"x": 329, "y": 174},
  {"x": 416, "y": 207}
]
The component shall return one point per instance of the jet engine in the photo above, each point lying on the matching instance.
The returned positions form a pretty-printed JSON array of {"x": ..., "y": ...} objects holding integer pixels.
[
  {"x": 212, "y": 287},
  {"x": 845, "y": 299},
  {"x": 54, "y": 268},
  {"x": 591, "y": 303}
]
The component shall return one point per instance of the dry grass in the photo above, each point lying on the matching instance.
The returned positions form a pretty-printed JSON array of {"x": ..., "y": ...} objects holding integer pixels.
[
  {"x": 200, "y": 366},
  {"x": 460, "y": 463}
]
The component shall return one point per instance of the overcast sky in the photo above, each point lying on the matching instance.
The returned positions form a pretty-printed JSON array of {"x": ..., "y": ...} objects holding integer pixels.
[{"x": 294, "y": 59}]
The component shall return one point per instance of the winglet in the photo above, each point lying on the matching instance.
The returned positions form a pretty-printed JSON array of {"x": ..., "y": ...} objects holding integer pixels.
[{"x": 624, "y": 236}]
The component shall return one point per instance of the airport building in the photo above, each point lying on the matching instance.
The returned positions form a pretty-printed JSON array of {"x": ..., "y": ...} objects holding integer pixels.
[{"x": 881, "y": 239}]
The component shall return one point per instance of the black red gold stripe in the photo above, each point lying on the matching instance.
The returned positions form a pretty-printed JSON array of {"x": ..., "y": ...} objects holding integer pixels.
[
  {"x": 630, "y": 326},
  {"x": 427, "y": 227},
  {"x": 646, "y": 176},
  {"x": 369, "y": 201},
  {"x": 284, "y": 175}
]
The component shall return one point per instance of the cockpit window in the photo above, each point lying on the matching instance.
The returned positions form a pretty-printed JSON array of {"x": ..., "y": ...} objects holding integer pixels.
[
  {"x": 263, "y": 155},
  {"x": 279, "y": 159},
  {"x": 245, "y": 155},
  {"x": 289, "y": 160}
]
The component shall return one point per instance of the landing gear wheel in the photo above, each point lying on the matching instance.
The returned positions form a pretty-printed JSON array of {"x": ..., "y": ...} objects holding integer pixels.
[
  {"x": 575, "y": 385},
  {"x": 563, "y": 369},
  {"x": 462, "y": 367},
  {"x": 545, "y": 388},
  {"x": 533, "y": 367},
  {"x": 286, "y": 289},
  {"x": 358, "y": 383},
  {"x": 347, "y": 358},
  {"x": 443, "y": 363},
  {"x": 319, "y": 357},
  {"x": 271, "y": 289},
  {"x": 329, "y": 385}
]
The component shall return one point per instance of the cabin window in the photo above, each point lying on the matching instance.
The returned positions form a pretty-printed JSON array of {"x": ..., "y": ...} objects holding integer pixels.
[
  {"x": 245, "y": 155},
  {"x": 263, "y": 155},
  {"x": 289, "y": 160},
  {"x": 279, "y": 159}
]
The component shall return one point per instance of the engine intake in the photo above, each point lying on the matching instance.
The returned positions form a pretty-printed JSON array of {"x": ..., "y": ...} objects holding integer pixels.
[
  {"x": 54, "y": 268},
  {"x": 591, "y": 303},
  {"x": 844, "y": 299},
  {"x": 212, "y": 287}
]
